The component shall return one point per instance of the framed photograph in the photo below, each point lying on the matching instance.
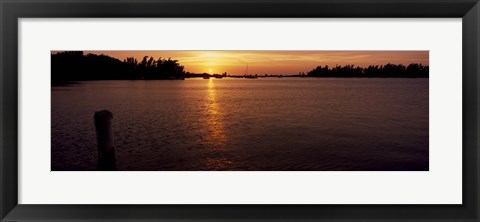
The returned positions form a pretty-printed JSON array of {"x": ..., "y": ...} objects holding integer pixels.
[{"x": 225, "y": 110}]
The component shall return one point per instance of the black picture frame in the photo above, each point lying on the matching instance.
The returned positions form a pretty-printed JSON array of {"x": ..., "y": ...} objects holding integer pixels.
[{"x": 12, "y": 10}]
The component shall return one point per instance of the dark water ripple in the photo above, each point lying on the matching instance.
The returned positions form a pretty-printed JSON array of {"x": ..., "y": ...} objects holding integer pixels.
[{"x": 245, "y": 124}]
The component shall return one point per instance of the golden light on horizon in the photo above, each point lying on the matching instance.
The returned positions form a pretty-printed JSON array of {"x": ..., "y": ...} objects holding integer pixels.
[{"x": 273, "y": 61}]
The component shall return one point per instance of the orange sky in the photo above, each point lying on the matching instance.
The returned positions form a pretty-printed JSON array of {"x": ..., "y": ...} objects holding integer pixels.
[{"x": 273, "y": 62}]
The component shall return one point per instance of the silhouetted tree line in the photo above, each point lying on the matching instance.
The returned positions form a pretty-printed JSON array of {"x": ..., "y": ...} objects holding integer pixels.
[
  {"x": 74, "y": 65},
  {"x": 413, "y": 70}
]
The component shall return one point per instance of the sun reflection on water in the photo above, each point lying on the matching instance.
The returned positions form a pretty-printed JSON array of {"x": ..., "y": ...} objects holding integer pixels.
[{"x": 217, "y": 152}]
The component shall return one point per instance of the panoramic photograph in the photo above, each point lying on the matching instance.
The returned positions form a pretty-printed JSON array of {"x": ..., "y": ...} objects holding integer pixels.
[{"x": 244, "y": 110}]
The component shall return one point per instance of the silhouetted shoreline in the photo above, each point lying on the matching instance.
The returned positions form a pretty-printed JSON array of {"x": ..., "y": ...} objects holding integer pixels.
[{"x": 71, "y": 66}]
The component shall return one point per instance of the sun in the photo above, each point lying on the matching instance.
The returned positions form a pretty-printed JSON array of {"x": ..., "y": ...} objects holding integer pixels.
[{"x": 210, "y": 70}]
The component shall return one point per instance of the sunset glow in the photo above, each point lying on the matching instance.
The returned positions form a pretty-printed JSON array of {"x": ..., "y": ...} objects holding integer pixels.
[
  {"x": 240, "y": 110},
  {"x": 273, "y": 62}
]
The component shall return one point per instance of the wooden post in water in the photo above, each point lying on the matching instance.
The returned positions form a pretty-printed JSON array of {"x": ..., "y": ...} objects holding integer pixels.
[{"x": 106, "y": 152}]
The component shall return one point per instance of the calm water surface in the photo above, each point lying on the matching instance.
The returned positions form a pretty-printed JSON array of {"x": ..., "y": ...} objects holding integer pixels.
[{"x": 246, "y": 124}]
